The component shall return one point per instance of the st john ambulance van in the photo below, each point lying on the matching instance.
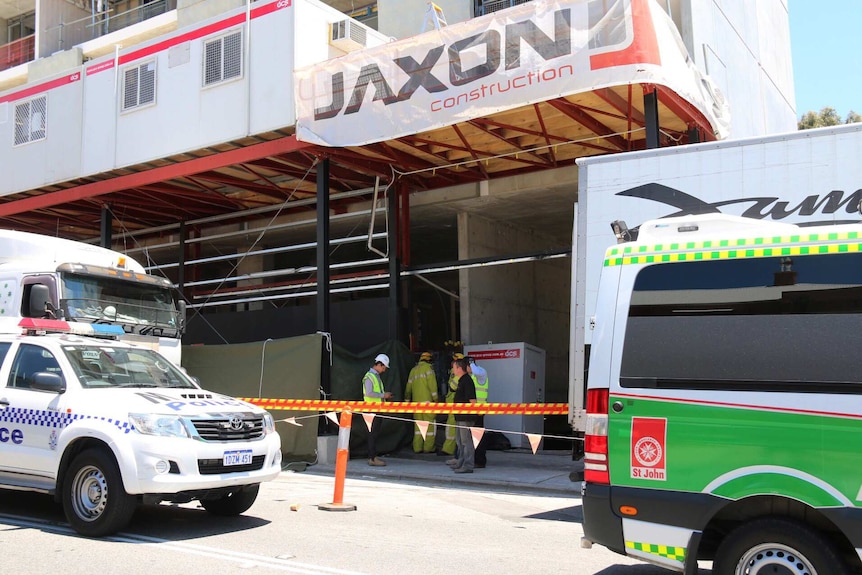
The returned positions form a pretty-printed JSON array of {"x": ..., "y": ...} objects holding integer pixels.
[{"x": 724, "y": 400}]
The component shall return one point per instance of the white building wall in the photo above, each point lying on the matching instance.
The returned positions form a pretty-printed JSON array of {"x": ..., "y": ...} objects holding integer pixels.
[
  {"x": 745, "y": 48},
  {"x": 89, "y": 133},
  {"x": 55, "y": 158}
]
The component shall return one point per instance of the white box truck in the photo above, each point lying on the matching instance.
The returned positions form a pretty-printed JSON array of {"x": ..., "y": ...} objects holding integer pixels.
[
  {"x": 722, "y": 417},
  {"x": 810, "y": 177},
  {"x": 55, "y": 278}
]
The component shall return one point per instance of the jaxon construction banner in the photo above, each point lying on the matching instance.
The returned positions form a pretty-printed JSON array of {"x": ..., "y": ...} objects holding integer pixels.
[{"x": 530, "y": 53}]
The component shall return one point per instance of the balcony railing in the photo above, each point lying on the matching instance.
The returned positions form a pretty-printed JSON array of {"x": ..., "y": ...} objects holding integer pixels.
[
  {"x": 111, "y": 22},
  {"x": 17, "y": 52},
  {"x": 487, "y": 6}
]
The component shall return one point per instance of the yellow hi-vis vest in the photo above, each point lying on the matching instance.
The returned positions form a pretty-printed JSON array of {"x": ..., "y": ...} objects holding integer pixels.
[
  {"x": 376, "y": 386},
  {"x": 480, "y": 381}
]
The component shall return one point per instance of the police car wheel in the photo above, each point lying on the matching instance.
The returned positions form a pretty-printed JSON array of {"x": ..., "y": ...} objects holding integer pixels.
[
  {"x": 233, "y": 503},
  {"x": 94, "y": 500},
  {"x": 776, "y": 546}
]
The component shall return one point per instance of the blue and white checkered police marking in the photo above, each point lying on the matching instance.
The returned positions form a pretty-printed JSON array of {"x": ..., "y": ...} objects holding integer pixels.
[{"x": 45, "y": 418}]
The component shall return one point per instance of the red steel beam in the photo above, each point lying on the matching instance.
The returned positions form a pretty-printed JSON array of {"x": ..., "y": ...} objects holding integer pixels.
[{"x": 178, "y": 170}]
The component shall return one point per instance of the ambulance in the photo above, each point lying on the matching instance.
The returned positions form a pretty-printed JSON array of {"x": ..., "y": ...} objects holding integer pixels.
[
  {"x": 103, "y": 425},
  {"x": 724, "y": 397}
]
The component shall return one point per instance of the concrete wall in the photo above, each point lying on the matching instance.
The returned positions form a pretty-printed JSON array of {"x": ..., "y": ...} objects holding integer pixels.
[
  {"x": 403, "y": 18},
  {"x": 515, "y": 302},
  {"x": 192, "y": 11},
  {"x": 61, "y": 26},
  {"x": 745, "y": 48}
]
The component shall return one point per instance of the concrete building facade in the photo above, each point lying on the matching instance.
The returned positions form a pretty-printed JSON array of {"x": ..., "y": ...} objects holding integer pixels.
[{"x": 178, "y": 131}]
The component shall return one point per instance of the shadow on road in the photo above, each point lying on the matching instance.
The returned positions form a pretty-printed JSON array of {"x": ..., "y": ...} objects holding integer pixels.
[
  {"x": 165, "y": 521},
  {"x": 574, "y": 514}
]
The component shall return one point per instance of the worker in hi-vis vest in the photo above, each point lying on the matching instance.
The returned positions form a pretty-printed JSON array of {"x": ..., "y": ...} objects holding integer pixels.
[
  {"x": 422, "y": 388},
  {"x": 480, "y": 380},
  {"x": 450, "y": 443},
  {"x": 372, "y": 391}
]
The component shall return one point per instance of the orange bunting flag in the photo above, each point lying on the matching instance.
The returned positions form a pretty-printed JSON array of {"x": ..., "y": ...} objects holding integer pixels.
[
  {"x": 535, "y": 440},
  {"x": 333, "y": 416},
  {"x": 477, "y": 433},
  {"x": 369, "y": 418},
  {"x": 292, "y": 421},
  {"x": 423, "y": 427}
]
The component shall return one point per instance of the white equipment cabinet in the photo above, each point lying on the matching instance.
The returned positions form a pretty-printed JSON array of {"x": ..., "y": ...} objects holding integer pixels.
[{"x": 516, "y": 374}]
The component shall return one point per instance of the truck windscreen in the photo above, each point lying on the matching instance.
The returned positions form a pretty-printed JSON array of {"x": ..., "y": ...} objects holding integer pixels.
[{"x": 139, "y": 305}]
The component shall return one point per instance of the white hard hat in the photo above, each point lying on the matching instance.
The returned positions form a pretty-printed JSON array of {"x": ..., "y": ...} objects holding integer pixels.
[{"x": 382, "y": 358}]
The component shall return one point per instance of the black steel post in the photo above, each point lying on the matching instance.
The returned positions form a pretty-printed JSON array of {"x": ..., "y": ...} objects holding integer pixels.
[
  {"x": 323, "y": 268},
  {"x": 394, "y": 266},
  {"x": 651, "y": 118},
  {"x": 106, "y": 222}
]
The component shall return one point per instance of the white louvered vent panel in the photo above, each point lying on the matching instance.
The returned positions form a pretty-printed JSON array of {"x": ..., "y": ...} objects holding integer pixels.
[
  {"x": 31, "y": 120},
  {"x": 233, "y": 56},
  {"x": 130, "y": 88},
  {"x": 139, "y": 85},
  {"x": 223, "y": 59}
]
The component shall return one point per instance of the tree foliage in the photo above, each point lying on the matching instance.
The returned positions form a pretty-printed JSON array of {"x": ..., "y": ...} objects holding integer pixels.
[{"x": 827, "y": 116}]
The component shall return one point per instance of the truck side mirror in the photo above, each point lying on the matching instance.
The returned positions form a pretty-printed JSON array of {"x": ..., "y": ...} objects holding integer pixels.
[
  {"x": 181, "y": 305},
  {"x": 40, "y": 297}
]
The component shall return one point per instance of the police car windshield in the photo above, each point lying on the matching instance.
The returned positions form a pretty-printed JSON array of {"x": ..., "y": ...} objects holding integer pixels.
[{"x": 101, "y": 367}]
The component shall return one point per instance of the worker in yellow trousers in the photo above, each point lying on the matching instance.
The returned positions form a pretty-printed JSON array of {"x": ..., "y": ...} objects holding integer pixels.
[
  {"x": 450, "y": 443},
  {"x": 422, "y": 387}
]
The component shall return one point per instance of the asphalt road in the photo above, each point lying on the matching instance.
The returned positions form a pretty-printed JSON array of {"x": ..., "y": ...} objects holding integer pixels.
[{"x": 397, "y": 529}]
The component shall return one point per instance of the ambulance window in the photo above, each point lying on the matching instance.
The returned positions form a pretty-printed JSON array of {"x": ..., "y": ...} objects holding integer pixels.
[
  {"x": 777, "y": 324},
  {"x": 29, "y": 360}
]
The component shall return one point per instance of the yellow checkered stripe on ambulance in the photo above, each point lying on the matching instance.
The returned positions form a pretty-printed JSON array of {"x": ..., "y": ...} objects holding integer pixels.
[
  {"x": 762, "y": 247},
  {"x": 669, "y": 552}
]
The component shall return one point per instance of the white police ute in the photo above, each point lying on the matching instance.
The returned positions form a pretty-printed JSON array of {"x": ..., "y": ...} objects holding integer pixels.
[{"x": 103, "y": 426}]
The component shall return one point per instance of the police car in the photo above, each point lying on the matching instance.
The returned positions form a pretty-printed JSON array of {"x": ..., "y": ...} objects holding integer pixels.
[{"x": 104, "y": 426}]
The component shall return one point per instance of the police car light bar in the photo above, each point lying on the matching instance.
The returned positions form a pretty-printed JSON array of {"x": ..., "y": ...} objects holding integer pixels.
[{"x": 33, "y": 325}]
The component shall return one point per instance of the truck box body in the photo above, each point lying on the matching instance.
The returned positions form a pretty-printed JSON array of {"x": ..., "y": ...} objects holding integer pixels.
[{"x": 807, "y": 178}]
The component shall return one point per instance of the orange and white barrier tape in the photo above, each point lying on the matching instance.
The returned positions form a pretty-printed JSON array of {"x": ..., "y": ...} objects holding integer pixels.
[{"x": 411, "y": 406}]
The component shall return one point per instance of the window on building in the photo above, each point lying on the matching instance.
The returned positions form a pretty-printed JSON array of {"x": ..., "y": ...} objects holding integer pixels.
[
  {"x": 761, "y": 324},
  {"x": 31, "y": 120},
  {"x": 139, "y": 85},
  {"x": 223, "y": 58},
  {"x": 21, "y": 26}
]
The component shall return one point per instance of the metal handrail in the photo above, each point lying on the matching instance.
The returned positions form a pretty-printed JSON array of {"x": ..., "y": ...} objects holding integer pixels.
[
  {"x": 17, "y": 52},
  {"x": 489, "y": 6}
]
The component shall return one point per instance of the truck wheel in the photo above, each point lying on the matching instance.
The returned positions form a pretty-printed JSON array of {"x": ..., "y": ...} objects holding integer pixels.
[
  {"x": 94, "y": 499},
  {"x": 233, "y": 503},
  {"x": 776, "y": 546}
]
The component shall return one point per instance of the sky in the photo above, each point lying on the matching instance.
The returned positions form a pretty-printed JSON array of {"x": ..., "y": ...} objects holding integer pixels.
[{"x": 826, "y": 44}]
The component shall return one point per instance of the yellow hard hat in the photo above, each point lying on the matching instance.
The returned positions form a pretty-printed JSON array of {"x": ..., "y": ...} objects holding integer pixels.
[
  {"x": 458, "y": 356},
  {"x": 425, "y": 355}
]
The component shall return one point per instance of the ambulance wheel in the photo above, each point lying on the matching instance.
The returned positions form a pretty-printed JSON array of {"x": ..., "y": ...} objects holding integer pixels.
[
  {"x": 776, "y": 546},
  {"x": 233, "y": 503},
  {"x": 94, "y": 499}
]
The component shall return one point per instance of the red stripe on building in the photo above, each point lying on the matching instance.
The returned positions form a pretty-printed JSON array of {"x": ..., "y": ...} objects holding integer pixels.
[{"x": 21, "y": 94}]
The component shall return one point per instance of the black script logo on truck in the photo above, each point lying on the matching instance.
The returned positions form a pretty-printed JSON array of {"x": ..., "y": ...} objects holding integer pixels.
[
  {"x": 419, "y": 73},
  {"x": 762, "y": 207}
]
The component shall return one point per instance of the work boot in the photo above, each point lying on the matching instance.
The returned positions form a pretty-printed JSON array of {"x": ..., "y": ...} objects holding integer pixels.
[
  {"x": 377, "y": 462},
  {"x": 451, "y": 462}
]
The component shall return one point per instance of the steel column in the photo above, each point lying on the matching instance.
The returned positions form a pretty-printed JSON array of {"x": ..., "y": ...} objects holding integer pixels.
[
  {"x": 106, "y": 223},
  {"x": 323, "y": 268},
  {"x": 651, "y": 117},
  {"x": 394, "y": 265}
]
